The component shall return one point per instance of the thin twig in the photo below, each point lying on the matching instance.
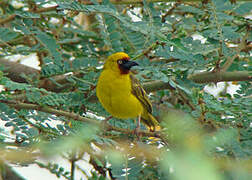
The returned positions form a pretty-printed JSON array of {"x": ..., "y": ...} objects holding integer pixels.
[
  {"x": 8, "y": 19},
  {"x": 47, "y": 9},
  {"x": 101, "y": 169},
  {"x": 185, "y": 99},
  {"x": 241, "y": 46},
  {"x": 148, "y": 50},
  {"x": 169, "y": 12},
  {"x": 13, "y": 16},
  {"x": 139, "y": 1},
  {"x": 20, "y": 105},
  {"x": 72, "y": 160},
  {"x": 220, "y": 34},
  {"x": 77, "y": 117},
  {"x": 40, "y": 128}
]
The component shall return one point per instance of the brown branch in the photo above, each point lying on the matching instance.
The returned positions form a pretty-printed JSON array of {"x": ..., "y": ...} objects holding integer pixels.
[
  {"x": 140, "y": 1},
  {"x": 146, "y": 51},
  {"x": 156, "y": 86},
  {"x": 157, "y": 59},
  {"x": 20, "y": 105},
  {"x": 131, "y": 132},
  {"x": 77, "y": 117},
  {"x": 73, "y": 166},
  {"x": 7, "y": 173},
  {"x": 207, "y": 77},
  {"x": 13, "y": 16},
  {"x": 27, "y": 40},
  {"x": 47, "y": 9},
  {"x": 148, "y": 87},
  {"x": 7, "y": 19},
  {"x": 15, "y": 70},
  {"x": 186, "y": 100},
  {"x": 242, "y": 45},
  {"x": 18, "y": 41},
  {"x": 221, "y": 74},
  {"x": 101, "y": 169},
  {"x": 169, "y": 12}
]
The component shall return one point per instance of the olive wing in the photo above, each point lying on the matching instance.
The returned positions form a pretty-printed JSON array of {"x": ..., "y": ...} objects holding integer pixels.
[{"x": 140, "y": 94}]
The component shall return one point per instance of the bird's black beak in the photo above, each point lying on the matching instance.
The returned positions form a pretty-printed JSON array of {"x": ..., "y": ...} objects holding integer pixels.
[{"x": 127, "y": 65}]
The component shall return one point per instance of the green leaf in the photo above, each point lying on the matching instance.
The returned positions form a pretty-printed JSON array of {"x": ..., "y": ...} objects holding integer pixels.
[
  {"x": 7, "y": 34},
  {"x": 105, "y": 9},
  {"x": 243, "y": 8},
  {"x": 230, "y": 33},
  {"x": 50, "y": 44},
  {"x": 16, "y": 86},
  {"x": 224, "y": 17},
  {"x": 25, "y": 14},
  {"x": 32, "y": 132},
  {"x": 222, "y": 5},
  {"x": 190, "y": 9},
  {"x": 71, "y": 40},
  {"x": 8, "y": 124},
  {"x": 1, "y": 75}
]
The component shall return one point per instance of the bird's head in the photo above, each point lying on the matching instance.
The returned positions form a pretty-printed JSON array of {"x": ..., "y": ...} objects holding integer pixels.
[{"x": 119, "y": 62}]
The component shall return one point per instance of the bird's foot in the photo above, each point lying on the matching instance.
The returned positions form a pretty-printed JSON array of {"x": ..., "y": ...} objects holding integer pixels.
[
  {"x": 137, "y": 133},
  {"x": 107, "y": 119},
  {"x": 105, "y": 122}
]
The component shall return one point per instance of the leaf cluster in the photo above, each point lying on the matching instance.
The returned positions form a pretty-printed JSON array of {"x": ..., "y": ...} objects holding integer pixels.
[{"x": 56, "y": 112}]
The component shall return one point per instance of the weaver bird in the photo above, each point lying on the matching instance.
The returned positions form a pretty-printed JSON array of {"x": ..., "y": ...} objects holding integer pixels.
[{"x": 121, "y": 94}]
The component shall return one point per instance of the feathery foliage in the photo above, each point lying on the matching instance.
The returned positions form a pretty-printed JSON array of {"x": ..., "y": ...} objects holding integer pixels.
[{"x": 182, "y": 48}]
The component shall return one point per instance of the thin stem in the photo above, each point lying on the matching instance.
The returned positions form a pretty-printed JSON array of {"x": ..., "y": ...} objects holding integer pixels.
[
  {"x": 126, "y": 167},
  {"x": 13, "y": 16},
  {"x": 218, "y": 28},
  {"x": 40, "y": 128},
  {"x": 47, "y": 9},
  {"x": 139, "y": 1},
  {"x": 83, "y": 81},
  {"x": 241, "y": 46},
  {"x": 8, "y": 19},
  {"x": 185, "y": 99},
  {"x": 169, "y": 12},
  {"x": 107, "y": 127},
  {"x": 145, "y": 52},
  {"x": 19, "y": 105},
  {"x": 73, "y": 160}
]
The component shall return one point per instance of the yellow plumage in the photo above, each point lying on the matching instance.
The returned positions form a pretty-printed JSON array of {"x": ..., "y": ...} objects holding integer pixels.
[{"x": 121, "y": 94}]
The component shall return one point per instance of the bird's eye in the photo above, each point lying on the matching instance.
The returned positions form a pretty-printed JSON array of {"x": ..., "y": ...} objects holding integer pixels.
[{"x": 119, "y": 61}]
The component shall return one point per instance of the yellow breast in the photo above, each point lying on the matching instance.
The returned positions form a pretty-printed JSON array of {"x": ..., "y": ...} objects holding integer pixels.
[{"x": 114, "y": 93}]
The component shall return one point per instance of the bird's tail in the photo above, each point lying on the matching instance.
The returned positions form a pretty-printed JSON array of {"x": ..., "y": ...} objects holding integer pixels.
[{"x": 150, "y": 121}]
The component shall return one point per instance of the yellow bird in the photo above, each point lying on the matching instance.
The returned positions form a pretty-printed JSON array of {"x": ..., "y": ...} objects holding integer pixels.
[{"x": 121, "y": 94}]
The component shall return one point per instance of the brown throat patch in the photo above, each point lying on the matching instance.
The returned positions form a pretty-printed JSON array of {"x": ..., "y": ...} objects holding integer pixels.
[{"x": 123, "y": 70}]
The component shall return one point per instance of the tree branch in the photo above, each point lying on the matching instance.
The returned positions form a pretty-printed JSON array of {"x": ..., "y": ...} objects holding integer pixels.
[
  {"x": 7, "y": 19},
  {"x": 20, "y": 105},
  {"x": 15, "y": 70},
  {"x": 46, "y": 9},
  {"x": 221, "y": 74},
  {"x": 241, "y": 46},
  {"x": 73, "y": 166},
  {"x": 207, "y": 77},
  {"x": 77, "y": 117},
  {"x": 156, "y": 86},
  {"x": 169, "y": 12},
  {"x": 7, "y": 173},
  {"x": 13, "y": 16},
  {"x": 140, "y": 1}
]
